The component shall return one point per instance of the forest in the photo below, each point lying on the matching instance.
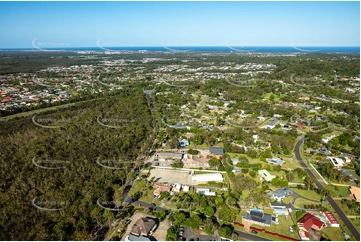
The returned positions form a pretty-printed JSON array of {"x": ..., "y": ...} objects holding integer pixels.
[{"x": 54, "y": 174}]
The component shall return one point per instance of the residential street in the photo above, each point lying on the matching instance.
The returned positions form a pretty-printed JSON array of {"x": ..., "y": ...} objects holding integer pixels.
[{"x": 334, "y": 205}]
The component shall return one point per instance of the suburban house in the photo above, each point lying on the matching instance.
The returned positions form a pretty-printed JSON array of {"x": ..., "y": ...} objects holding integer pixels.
[
  {"x": 183, "y": 143},
  {"x": 176, "y": 188},
  {"x": 304, "y": 235},
  {"x": 278, "y": 205},
  {"x": 204, "y": 178},
  {"x": 307, "y": 222},
  {"x": 205, "y": 191},
  {"x": 185, "y": 188},
  {"x": 272, "y": 123},
  {"x": 275, "y": 161},
  {"x": 337, "y": 162},
  {"x": 258, "y": 217},
  {"x": 234, "y": 161},
  {"x": 162, "y": 156},
  {"x": 265, "y": 175},
  {"x": 217, "y": 151},
  {"x": 131, "y": 237},
  {"x": 143, "y": 227},
  {"x": 331, "y": 219},
  {"x": 281, "y": 193},
  {"x": 355, "y": 191},
  {"x": 161, "y": 188}
]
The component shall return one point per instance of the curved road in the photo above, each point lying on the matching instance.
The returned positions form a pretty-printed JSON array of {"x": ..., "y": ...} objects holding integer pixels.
[{"x": 330, "y": 200}]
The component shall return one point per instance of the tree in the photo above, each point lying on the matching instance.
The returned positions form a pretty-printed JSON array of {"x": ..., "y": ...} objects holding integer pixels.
[
  {"x": 290, "y": 176},
  {"x": 209, "y": 211},
  {"x": 308, "y": 182},
  {"x": 214, "y": 162},
  {"x": 225, "y": 230}
]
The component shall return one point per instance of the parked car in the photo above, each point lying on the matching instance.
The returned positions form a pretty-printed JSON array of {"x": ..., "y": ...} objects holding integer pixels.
[{"x": 254, "y": 232}]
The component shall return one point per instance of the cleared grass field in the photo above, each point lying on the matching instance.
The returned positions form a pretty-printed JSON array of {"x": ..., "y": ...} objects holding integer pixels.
[
  {"x": 308, "y": 194},
  {"x": 281, "y": 228},
  {"x": 342, "y": 191},
  {"x": 301, "y": 202},
  {"x": 334, "y": 234}
]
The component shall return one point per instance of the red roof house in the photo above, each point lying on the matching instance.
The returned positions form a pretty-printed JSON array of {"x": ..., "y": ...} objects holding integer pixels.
[
  {"x": 331, "y": 218},
  {"x": 300, "y": 125},
  {"x": 309, "y": 221}
]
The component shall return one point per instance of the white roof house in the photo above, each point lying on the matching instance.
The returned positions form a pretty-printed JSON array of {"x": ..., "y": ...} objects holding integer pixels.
[
  {"x": 205, "y": 191},
  {"x": 265, "y": 175},
  {"x": 185, "y": 188},
  {"x": 204, "y": 178},
  {"x": 337, "y": 162}
]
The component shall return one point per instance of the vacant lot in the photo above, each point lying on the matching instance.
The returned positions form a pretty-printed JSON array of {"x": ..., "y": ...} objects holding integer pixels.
[{"x": 172, "y": 176}]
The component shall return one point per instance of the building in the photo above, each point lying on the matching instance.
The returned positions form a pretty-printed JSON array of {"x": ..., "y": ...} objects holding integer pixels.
[
  {"x": 131, "y": 237},
  {"x": 275, "y": 161},
  {"x": 258, "y": 217},
  {"x": 234, "y": 161},
  {"x": 161, "y": 188},
  {"x": 355, "y": 191},
  {"x": 281, "y": 193},
  {"x": 272, "y": 123},
  {"x": 143, "y": 227},
  {"x": 176, "y": 188},
  {"x": 304, "y": 235},
  {"x": 337, "y": 162},
  {"x": 204, "y": 178},
  {"x": 185, "y": 188},
  {"x": 218, "y": 151},
  {"x": 308, "y": 221},
  {"x": 331, "y": 219},
  {"x": 205, "y": 191},
  {"x": 183, "y": 143},
  {"x": 265, "y": 175},
  {"x": 277, "y": 205}
]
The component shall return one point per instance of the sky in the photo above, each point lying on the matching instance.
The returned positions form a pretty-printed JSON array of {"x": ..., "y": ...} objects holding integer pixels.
[{"x": 115, "y": 24}]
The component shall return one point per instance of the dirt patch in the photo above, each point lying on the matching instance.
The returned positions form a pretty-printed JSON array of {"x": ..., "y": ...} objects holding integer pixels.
[
  {"x": 247, "y": 226},
  {"x": 161, "y": 232}
]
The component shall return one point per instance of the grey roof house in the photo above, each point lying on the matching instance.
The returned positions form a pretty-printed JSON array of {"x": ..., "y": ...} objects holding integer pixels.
[{"x": 216, "y": 150}]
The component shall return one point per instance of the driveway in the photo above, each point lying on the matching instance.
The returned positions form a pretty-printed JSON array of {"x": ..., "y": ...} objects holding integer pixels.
[{"x": 160, "y": 233}]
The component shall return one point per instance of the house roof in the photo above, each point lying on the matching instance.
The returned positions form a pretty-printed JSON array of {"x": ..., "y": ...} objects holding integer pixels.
[
  {"x": 278, "y": 204},
  {"x": 266, "y": 175},
  {"x": 207, "y": 177},
  {"x": 275, "y": 161},
  {"x": 309, "y": 221},
  {"x": 170, "y": 155},
  {"x": 258, "y": 217},
  {"x": 282, "y": 192},
  {"x": 142, "y": 227},
  {"x": 161, "y": 188},
  {"x": 330, "y": 217},
  {"x": 216, "y": 150},
  {"x": 131, "y": 237}
]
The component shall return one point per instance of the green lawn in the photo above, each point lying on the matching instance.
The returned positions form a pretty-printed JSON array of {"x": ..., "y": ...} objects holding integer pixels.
[
  {"x": 343, "y": 191},
  {"x": 345, "y": 209},
  {"x": 268, "y": 95},
  {"x": 287, "y": 200},
  {"x": 356, "y": 223},
  {"x": 334, "y": 234},
  {"x": 300, "y": 202},
  {"x": 137, "y": 186},
  {"x": 281, "y": 228},
  {"x": 308, "y": 194}
]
